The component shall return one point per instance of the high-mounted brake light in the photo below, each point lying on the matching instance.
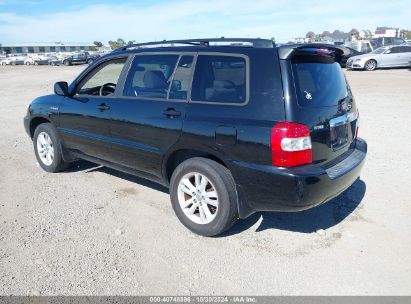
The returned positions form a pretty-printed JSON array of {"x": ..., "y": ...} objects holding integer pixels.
[{"x": 290, "y": 144}]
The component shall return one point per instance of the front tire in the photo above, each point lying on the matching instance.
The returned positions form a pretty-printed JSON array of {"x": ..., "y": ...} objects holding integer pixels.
[
  {"x": 47, "y": 148},
  {"x": 66, "y": 62},
  {"x": 370, "y": 65},
  {"x": 203, "y": 196}
]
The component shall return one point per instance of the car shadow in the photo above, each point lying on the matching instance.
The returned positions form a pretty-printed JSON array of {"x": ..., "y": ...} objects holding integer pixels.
[
  {"x": 308, "y": 221},
  {"x": 88, "y": 167}
]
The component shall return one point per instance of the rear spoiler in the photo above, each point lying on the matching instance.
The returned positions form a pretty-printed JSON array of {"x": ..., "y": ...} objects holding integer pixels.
[{"x": 288, "y": 51}]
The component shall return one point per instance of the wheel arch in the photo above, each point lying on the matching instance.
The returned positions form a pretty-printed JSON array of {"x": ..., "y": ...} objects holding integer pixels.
[
  {"x": 176, "y": 157},
  {"x": 373, "y": 59},
  {"x": 35, "y": 122}
]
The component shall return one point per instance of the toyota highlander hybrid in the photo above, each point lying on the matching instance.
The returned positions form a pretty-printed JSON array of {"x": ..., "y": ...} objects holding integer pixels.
[{"x": 231, "y": 126}]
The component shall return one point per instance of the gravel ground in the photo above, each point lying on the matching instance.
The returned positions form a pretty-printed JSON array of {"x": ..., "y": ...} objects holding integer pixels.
[{"x": 94, "y": 231}]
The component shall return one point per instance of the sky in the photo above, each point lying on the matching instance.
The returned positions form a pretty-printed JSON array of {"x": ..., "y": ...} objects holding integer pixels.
[{"x": 144, "y": 20}]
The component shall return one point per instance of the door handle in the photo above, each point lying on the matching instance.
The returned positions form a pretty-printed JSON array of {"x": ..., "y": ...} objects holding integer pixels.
[
  {"x": 171, "y": 113},
  {"x": 103, "y": 107}
]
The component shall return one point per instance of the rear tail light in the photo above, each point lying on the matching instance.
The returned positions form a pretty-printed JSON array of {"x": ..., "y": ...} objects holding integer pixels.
[
  {"x": 355, "y": 116},
  {"x": 290, "y": 144}
]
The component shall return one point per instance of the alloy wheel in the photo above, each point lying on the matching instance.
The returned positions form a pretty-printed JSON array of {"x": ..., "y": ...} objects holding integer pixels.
[
  {"x": 370, "y": 65},
  {"x": 45, "y": 148},
  {"x": 198, "y": 198}
]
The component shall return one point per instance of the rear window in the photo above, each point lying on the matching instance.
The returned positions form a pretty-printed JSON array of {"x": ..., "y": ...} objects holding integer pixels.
[{"x": 319, "y": 84}]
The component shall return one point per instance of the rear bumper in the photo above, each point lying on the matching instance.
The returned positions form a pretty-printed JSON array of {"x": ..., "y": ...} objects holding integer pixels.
[{"x": 267, "y": 188}]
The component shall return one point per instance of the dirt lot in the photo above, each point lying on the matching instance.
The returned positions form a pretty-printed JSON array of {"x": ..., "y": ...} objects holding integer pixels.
[{"x": 95, "y": 231}]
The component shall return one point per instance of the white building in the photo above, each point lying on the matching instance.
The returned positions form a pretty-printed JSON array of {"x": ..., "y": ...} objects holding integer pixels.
[
  {"x": 44, "y": 47},
  {"x": 386, "y": 32}
]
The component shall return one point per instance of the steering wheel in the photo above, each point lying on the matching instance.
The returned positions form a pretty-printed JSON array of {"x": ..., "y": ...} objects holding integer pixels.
[{"x": 107, "y": 88}]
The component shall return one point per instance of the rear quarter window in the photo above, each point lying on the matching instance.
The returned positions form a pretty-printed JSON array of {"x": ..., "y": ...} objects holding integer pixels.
[{"x": 220, "y": 79}]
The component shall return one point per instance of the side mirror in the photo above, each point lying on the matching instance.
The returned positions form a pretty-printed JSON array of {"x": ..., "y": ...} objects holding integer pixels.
[
  {"x": 61, "y": 88},
  {"x": 387, "y": 52}
]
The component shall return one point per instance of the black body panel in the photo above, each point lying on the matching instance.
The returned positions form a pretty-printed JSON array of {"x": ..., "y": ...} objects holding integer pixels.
[{"x": 141, "y": 136}]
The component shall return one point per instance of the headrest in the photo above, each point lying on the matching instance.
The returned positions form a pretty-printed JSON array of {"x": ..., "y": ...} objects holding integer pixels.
[{"x": 154, "y": 80}]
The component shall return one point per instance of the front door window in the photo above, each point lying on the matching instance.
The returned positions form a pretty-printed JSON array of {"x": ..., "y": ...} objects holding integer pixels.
[{"x": 103, "y": 80}]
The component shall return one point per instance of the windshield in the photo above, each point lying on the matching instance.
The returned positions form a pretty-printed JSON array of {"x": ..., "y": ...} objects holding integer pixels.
[
  {"x": 319, "y": 84},
  {"x": 379, "y": 50}
]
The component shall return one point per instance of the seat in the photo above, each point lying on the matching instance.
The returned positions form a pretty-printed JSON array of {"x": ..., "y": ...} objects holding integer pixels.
[
  {"x": 155, "y": 85},
  {"x": 222, "y": 90}
]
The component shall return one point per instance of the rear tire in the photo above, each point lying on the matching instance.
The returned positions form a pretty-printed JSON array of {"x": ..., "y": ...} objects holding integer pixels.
[
  {"x": 370, "y": 65},
  {"x": 90, "y": 61},
  {"x": 208, "y": 205},
  {"x": 47, "y": 147}
]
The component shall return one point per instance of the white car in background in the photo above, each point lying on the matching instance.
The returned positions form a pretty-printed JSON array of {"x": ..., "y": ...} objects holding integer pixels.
[
  {"x": 36, "y": 59},
  {"x": 5, "y": 61},
  {"x": 383, "y": 57}
]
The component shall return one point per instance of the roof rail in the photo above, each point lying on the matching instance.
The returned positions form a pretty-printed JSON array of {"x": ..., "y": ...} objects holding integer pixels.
[{"x": 255, "y": 42}]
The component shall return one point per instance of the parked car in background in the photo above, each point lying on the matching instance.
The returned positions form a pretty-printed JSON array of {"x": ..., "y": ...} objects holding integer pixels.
[
  {"x": 350, "y": 53},
  {"x": 383, "y": 57},
  {"x": 92, "y": 57},
  {"x": 16, "y": 59},
  {"x": 385, "y": 41},
  {"x": 361, "y": 46},
  {"x": 38, "y": 60},
  {"x": 5, "y": 61},
  {"x": 231, "y": 130},
  {"x": 77, "y": 58},
  {"x": 55, "y": 60}
]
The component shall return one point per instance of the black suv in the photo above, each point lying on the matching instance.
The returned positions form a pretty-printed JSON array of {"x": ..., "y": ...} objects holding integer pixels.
[
  {"x": 79, "y": 58},
  {"x": 231, "y": 126}
]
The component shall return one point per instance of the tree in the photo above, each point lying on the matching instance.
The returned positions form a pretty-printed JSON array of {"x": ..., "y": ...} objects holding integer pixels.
[
  {"x": 117, "y": 43},
  {"x": 406, "y": 34},
  {"x": 98, "y": 43},
  {"x": 310, "y": 35},
  {"x": 354, "y": 32},
  {"x": 130, "y": 42}
]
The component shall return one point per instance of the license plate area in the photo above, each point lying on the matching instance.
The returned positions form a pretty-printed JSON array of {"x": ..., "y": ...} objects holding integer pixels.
[{"x": 339, "y": 130}]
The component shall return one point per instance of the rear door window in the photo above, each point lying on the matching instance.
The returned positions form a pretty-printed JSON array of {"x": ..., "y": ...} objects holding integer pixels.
[
  {"x": 150, "y": 76},
  {"x": 220, "y": 79},
  {"x": 319, "y": 84},
  {"x": 182, "y": 78}
]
